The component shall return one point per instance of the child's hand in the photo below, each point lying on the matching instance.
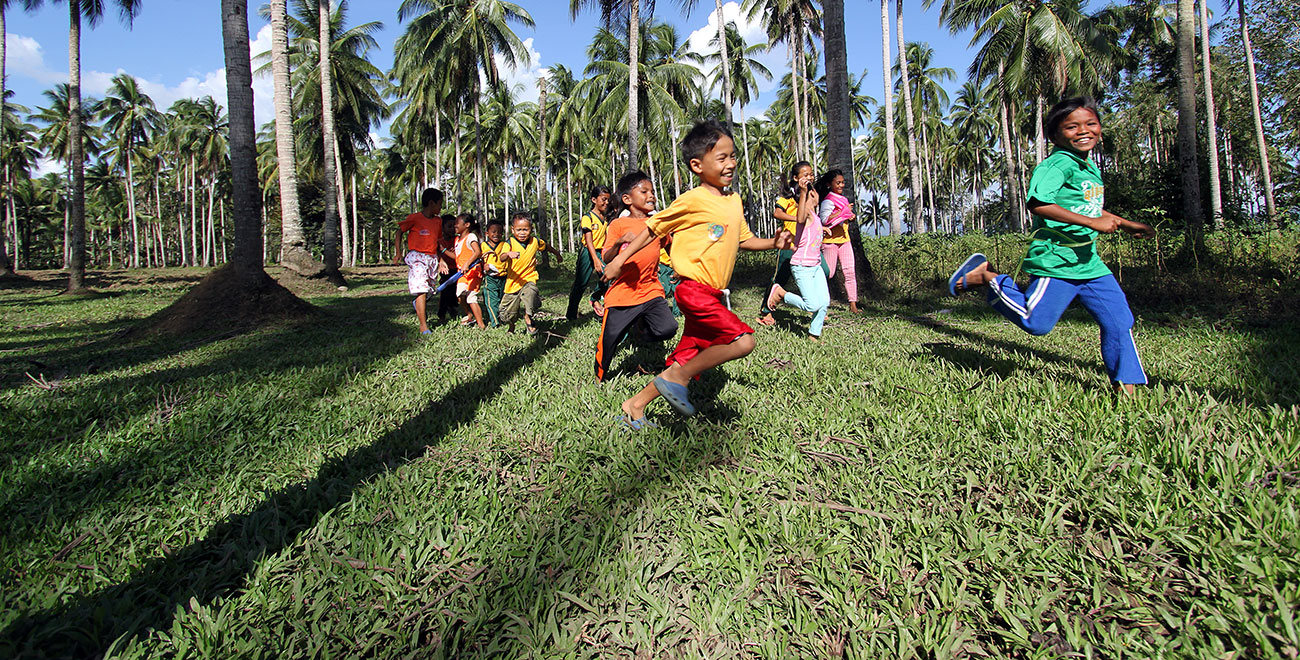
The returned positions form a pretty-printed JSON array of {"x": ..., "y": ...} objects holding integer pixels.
[
  {"x": 1106, "y": 224},
  {"x": 611, "y": 271},
  {"x": 1137, "y": 229},
  {"x": 826, "y": 232},
  {"x": 513, "y": 254},
  {"x": 442, "y": 268},
  {"x": 784, "y": 240}
]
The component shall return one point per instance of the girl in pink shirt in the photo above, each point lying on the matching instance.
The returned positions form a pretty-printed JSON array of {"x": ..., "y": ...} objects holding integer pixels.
[{"x": 806, "y": 264}]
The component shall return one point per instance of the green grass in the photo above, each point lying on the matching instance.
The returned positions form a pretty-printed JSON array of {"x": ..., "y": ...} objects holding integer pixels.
[{"x": 929, "y": 482}]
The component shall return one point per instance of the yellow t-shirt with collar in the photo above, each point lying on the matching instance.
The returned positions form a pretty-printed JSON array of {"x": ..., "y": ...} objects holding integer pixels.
[
  {"x": 597, "y": 227},
  {"x": 791, "y": 207},
  {"x": 707, "y": 230},
  {"x": 522, "y": 270}
]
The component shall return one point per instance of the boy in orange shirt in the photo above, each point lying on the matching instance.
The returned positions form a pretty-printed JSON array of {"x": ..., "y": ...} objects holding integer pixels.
[
  {"x": 707, "y": 225},
  {"x": 424, "y": 233},
  {"x": 636, "y": 296}
]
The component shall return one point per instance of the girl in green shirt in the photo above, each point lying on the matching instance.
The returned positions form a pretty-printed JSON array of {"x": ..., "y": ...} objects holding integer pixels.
[{"x": 1066, "y": 198}]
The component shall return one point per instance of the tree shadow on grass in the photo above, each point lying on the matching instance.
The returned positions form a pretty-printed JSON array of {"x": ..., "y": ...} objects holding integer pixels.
[{"x": 218, "y": 565}]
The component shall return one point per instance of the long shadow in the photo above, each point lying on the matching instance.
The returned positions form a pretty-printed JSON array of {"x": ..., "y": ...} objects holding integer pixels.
[{"x": 219, "y": 564}]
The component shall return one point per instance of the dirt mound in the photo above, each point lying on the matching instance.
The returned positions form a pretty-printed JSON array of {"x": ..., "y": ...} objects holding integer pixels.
[
  {"x": 307, "y": 286},
  {"x": 227, "y": 300}
]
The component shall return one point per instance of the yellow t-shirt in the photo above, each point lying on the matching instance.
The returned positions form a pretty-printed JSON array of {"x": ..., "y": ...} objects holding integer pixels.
[
  {"x": 839, "y": 234},
  {"x": 491, "y": 261},
  {"x": 523, "y": 270},
  {"x": 664, "y": 258},
  {"x": 707, "y": 231},
  {"x": 597, "y": 227},
  {"x": 790, "y": 206}
]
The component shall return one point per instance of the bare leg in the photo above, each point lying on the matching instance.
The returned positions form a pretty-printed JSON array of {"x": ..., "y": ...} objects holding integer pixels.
[
  {"x": 478, "y": 314},
  {"x": 420, "y": 311},
  {"x": 853, "y": 307},
  {"x": 1124, "y": 389},
  {"x": 683, "y": 373}
]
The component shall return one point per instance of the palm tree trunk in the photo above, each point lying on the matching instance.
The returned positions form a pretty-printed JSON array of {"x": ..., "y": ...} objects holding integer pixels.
[
  {"x": 1212, "y": 134},
  {"x": 1011, "y": 181},
  {"x": 895, "y": 219},
  {"x": 7, "y": 267},
  {"x": 795, "y": 95},
  {"x": 356, "y": 236},
  {"x": 541, "y": 153},
  {"x": 1040, "y": 140},
  {"x": 130, "y": 209},
  {"x": 568, "y": 185},
  {"x": 1187, "y": 142},
  {"x": 194, "y": 213},
  {"x": 633, "y": 81},
  {"x": 677, "y": 176},
  {"x": 839, "y": 136},
  {"x": 437, "y": 147},
  {"x": 913, "y": 159},
  {"x": 460, "y": 192},
  {"x": 749, "y": 171},
  {"x": 478, "y": 159},
  {"x": 340, "y": 191},
  {"x": 724, "y": 63},
  {"x": 76, "y": 157},
  {"x": 1269, "y": 208},
  {"x": 295, "y": 256},
  {"x": 330, "y": 230}
]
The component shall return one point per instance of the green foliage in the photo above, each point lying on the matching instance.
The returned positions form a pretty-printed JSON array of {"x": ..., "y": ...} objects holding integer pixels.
[{"x": 929, "y": 482}]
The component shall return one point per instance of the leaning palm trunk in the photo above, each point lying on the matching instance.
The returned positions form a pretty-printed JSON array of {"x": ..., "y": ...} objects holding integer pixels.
[
  {"x": 76, "y": 157},
  {"x": 130, "y": 208},
  {"x": 1264, "y": 169},
  {"x": 1212, "y": 131},
  {"x": 330, "y": 230},
  {"x": 1011, "y": 182},
  {"x": 1187, "y": 147},
  {"x": 891, "y": 154},
  {"x": 541, "y": 151},
  {"x": 913, "y": 158},
  {"x": 294, "y": 254},
  {"x": 633, "y": 81},
  {"x": 794, "y": 97},
  {"x": 340, "y": 193}
]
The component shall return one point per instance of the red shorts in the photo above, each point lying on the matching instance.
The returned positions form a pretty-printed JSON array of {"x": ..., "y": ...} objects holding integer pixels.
[{"x": 708, "y": 321}]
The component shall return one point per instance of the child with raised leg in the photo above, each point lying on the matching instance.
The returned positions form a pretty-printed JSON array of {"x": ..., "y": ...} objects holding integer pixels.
[
  {"x": 787, "y": 206},
  {"x": 518, "y": 254},
  {"x": 423, "y": 230},
  {"x": 708, "y": 226},
  {"x": 806, "y": 264},
  {"x": 1067, "y": 199}
]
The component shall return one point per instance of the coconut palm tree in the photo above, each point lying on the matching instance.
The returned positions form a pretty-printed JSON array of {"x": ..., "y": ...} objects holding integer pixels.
[
  {"x": 6, "y": 266},
  {"x": 1212, "y": 130},
  {"x": 891, "y": 184},
  {"x": 295, "y": 255},
  {"x": 243, "y": 147},
  {"x": 738, "y": 76},
  {"x": 1187, "y": 142},
  {"x": 1265, "y": 171},
  {"x": 56, "y": 140},
  {"x": 839, "y": 136},
  {"x": 90, "y": 11},
  {"x": 909, "y": 125},
  {"x": 130, "y": 120},
  {"x": 610, "y": 12}
]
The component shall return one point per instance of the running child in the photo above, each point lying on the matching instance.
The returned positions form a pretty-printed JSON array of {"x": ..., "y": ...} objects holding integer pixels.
[
  {"x": 636, "y": 296},
  {"x": 836, "y": 212},
  {"x": 423, "y": 231},
  {"x": 494, "y": 279},
  {"x": 594, "y": 226},
  {"x": 708, "y": 226},
  {"x": 1067, "y": 199},
  {"x": 806, "y": 264},
  {"x": 468, "y": 253},
  {"x": 519, "y": 256},
  {"x": 787, "y": 205}
]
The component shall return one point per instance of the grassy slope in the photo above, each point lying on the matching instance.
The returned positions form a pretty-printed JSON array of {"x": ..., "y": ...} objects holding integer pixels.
[{"x": 930, "y": 482}]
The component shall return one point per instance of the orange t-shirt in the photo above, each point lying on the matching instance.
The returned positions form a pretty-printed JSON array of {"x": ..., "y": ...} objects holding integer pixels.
[
  {"x": 639, "y": 279},
  {"x": 707, "y": 230},
  {"x": 464, "y": 257},
  {"x": 424, "y": 233}
]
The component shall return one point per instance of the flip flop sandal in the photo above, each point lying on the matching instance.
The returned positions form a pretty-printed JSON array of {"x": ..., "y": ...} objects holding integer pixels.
[
  {"x": 959, "y": 276},
  {"x": 676, "y": 396},
  {"x": 639, "y": 424}
]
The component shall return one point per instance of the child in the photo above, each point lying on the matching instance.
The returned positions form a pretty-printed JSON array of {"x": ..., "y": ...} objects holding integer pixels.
[
  {"x": 594, "y": 228},
  {"x": 707, "y": 224},
  {"x": 806, "y": 264},
  {"x": 494, "y": 279},
  {"x": 519, "y": 256},
  {"x": 636, "y": 296},
  {"x": 836, "y": 212},
  {"x": 467, "y": 253},
  {"x": 423, "y": 233},
  {"x": 447, "y": 300},
  {"x": 1066, "y": 196},
  {"x": 787, "y": 205}
]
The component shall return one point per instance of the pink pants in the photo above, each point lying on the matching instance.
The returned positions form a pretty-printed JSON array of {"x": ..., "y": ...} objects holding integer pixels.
[{"x": 843, "y": 253}]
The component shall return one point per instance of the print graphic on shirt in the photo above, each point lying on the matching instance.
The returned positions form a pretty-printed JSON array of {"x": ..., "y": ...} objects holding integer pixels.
[
  {"x": 716, "y": 231},
  {"x": 1094, "y": 196}
]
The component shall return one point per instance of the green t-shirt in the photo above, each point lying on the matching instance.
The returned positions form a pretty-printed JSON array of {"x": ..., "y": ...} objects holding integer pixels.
[{"x": 1072, "y": 183}]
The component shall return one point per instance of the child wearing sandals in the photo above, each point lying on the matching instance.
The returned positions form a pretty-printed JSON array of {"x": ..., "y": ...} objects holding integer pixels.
[
  {"x": 636, "y": 296},
  {"x": 806, "y": 263},
  {"x": 518, "y": 255},
  {"x": 1066, "y": 197},
  {"x": 708, "y": 226}
]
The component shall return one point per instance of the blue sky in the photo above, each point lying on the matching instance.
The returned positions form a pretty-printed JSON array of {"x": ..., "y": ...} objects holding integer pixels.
[{"x": 174, "y": 47}]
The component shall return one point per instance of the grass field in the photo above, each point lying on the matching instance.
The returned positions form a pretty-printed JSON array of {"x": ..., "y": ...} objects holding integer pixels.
[{"x": 929, "y": 482}]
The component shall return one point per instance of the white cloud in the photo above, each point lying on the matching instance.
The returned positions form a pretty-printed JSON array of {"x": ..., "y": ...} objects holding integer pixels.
[
  {"x": 25, "y": 57},
  {"x": 752, "y": 32},
  {"x": 526, "y": 74}
]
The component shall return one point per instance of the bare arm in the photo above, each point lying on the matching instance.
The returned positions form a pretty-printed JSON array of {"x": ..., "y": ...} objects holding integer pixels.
[
  {"x": 558, "y": 257},
  {"x": 611, "y": 247},
  {"x": 397, "y": 246},
  {"x": 588, "y": 243},
  {"x": 1106, "y": 224},
  {"x": 613, "y": 268},
  {"x": 782, "y": 241}
]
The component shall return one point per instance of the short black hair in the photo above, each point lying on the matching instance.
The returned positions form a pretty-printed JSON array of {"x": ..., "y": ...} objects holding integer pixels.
[
  {"x": 520, "y": 215},
  {"x": 625, "y": 185},
  {"x": 496, "y": 223},
  {"x": 1063, "y": 109},
  {"x": 430, "y": 196},
  {"x": 702, "y": 138},
  {"x": 600, "y": 189}
]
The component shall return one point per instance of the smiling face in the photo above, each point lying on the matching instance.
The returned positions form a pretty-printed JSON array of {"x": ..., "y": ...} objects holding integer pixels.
[
  {"x": 640, "y": 198},
  {"x": 717, "y": 167},
  {"x": 600, "y": 203},
  {"x": 837, "y": 184},
  {"x": 522, "y": 229},
  {"x": 804, "y": 176},
  {"x": 1080, "y": 131},
  {"x": 462, "y": 226},
  {"x": 494, "y": 233}
]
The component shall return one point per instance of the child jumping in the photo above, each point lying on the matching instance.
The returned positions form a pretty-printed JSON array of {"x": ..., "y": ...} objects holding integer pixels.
[
  {"x": 494, "y": 279},
  {"x": 708, "y": 225},
  {"x": 468, "y": 254},
  {"x": 594, "y": 227},
  {"x": 806, "y": 263},
  {"x": 787, "y": 205},
  {"x": 519, "y": 256},
  {"x": 1067, "y": 197},
  {"x": 636, "y": 296},
  {"x": 423, "y": 231},
  {"x": 836, "y": 212}
]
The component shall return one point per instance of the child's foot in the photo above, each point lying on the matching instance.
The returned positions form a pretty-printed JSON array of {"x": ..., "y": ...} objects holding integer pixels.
[
  {"x": 767, "y": 319},
  {"x": 532, "y": 330},
  {"x": 676, "y": 395},
  {"x": 853, "y": 308},
  {"x": 631, "y": 411},
  {"x": 966, "y": 277},
  {"x": 775, "y": 296},
  {"x": 976, "y": 278},
  {"x": 815, "y": 338},
  {"x": 599, "y": 308}
]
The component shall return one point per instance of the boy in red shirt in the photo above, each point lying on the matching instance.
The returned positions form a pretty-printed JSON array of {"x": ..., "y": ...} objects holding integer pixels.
[
  {"x": 636, "y": 296},
  {"x": 424, "y": 233},
  {"x": 707, "y": 225}
]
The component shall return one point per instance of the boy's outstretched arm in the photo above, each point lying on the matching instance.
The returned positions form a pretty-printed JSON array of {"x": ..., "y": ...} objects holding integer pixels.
[
  {"x": 1106, "y": 224},
  {"x": 782, "y": 241},
  {"x": 613, "y": 268},
  {"x": 558, "y": 257}
]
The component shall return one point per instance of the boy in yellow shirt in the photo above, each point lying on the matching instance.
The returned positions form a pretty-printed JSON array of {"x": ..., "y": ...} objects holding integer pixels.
[
  {"x": 707, "y": 225},
  {"x": 518, "y": 257}
]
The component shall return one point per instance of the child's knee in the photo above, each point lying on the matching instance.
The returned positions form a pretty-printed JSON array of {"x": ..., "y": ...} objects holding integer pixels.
[{"x": 744, "y": 345}]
